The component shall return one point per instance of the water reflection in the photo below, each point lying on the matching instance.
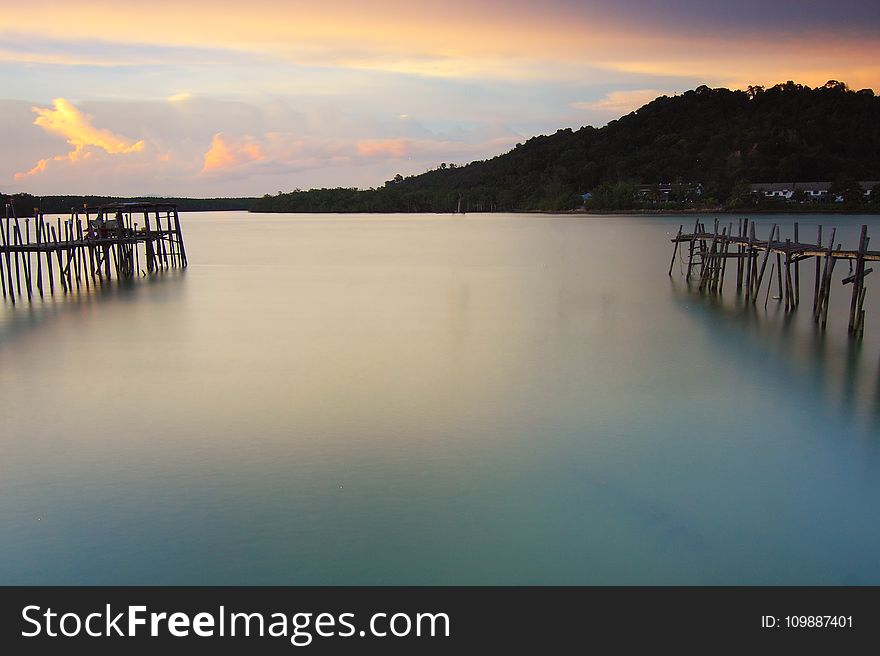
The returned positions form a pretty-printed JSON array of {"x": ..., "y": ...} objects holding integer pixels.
[
  {"x": 24, "y": 317},
  {"x": 789, "y": 348},
  {"x": 414, "y": 399}
]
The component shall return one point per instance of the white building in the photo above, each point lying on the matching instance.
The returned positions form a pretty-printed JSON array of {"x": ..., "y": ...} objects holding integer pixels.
[{"x": 811, "y": 190}]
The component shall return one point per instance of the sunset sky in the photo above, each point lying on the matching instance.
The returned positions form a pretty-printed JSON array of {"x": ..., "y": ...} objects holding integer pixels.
[{"x": 221, "y": 98}]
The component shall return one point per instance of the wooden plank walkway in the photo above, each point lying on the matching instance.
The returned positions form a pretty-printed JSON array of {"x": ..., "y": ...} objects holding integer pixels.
[
  {"x": 797, "y": 250},
  {"x": 709, "y": 251},
  {"x": 87, "y": 247}
]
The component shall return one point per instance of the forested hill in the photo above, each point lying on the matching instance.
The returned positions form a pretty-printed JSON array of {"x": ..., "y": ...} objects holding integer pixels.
[
  {"x": 25, "y": 204},
  {"x": 720, "y": 138}
]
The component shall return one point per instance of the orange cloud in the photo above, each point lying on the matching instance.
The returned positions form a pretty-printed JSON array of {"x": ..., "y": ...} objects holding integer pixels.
[
  {"x": 77, "y": 128},
  {"x": 225, "y": 153},
  {"x": 66, "y": 120},
  {"x": 39, "y": 167}
]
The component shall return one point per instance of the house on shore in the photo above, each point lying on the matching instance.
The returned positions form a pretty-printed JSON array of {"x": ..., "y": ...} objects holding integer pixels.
[
  {"x": 664, "y": 192},
  {"x": 805, "y": 191}
]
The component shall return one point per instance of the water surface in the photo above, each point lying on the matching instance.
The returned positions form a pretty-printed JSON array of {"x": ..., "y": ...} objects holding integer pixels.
[{"x": 510, "y": 399}]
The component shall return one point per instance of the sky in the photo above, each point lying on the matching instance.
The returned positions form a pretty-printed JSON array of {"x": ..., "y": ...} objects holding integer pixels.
[{"x": 207, "y": 98}]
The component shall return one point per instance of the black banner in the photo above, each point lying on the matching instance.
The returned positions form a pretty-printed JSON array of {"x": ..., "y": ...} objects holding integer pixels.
[{"x": 276, "y": 620}]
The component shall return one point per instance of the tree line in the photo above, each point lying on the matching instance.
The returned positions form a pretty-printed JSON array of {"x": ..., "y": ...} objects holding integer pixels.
[{"x": 27, "y": 204}]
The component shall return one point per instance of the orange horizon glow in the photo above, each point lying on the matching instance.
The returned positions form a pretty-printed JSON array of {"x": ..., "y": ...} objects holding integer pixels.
[{"x": 452, "y": 40}]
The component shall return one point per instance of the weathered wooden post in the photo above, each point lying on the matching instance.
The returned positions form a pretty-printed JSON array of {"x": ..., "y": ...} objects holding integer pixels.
[
  {"x": 825, "y": 276},
  {"x": 57, "y": 250},
  {"x": 797, "y": 267},
  {"x": 749, "y": 256},
  {"x": 3, "y": 236},
  {"x": 764, "y": 264},
  {"x": 26, "y": 256},
  {"x": 818, "y": 266},
  {"x": 857, "y": 278},
  {"x": 180, "y": 246},
  {"x": 828, "y": 291},
  {"x": 740, "y": 251},
  {"x": 691, "y": 249},
  {"x": 675, "y": 249},
  {"x": 789, "y": 293},
  {"x": 17, "y": 241},
  {"x": 708, "y": 262},
  {"x": 769, "y": 285},
  {"x": 45, "y": 228},
  {"x": 725, "y": 256}
]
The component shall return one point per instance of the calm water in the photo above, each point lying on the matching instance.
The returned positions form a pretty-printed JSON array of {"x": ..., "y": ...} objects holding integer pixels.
[{"x": 434, "y": 399}]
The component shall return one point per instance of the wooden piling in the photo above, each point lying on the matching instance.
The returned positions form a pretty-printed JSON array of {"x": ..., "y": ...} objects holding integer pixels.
[
  {"x": 828, "y": 291},
  {"x": 753, "y": 260},
  {"x": 725, "y": 256},
  {"x": 818, "y": 266},
  {"x": 857, "y": 281},
  {"x": 708, "y": 260},
  {"x": 797, "y": 268},
  {"x": 57, "y": 250},
  {"x": 858, "y": 329},
  {"x": 764, "y": 263},
  {"x": 75, "y": 252},
  {"x": 68, "y": 229},
  {"x": 675, "y": 250},
  {"x": 779, "y": 276},
  {"x": 48, "y": 259},
  {"x": 4, "y": 234},
  {"x": 739, "y": 260},
  {"x": 748, "y": 263},
  {"x": 38, "y": 228},
  {"x": 180, "y": 245},
  {"x": 826, "y": 277},
  {"x": 789, "y": 287},
  {"x": 27, "y": 257},
  {"x": 691, "y": 251},
  {"x": 80, "y": 235},
  {"x": 150, "y": 253},
  {"x": 769, "y": 285},
  {"x": 16, "y": 239},
  {"x": 2, "y": 276},
  {"x": 115, "y": 251},
  {"x": 163, "y": 236}
]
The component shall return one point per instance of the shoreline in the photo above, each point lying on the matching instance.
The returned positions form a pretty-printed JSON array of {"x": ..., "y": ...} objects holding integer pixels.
[{"x": 676, "y": 212}]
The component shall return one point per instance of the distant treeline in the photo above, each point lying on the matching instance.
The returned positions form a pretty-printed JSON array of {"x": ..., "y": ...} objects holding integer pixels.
[
  {"x": 719, "y": 138},
  {"x": 26, "y": 203}
]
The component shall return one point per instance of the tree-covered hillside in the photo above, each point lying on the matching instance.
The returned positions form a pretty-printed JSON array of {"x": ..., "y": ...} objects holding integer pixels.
[
  {"x": 25, "y": 204},
  {"x": 720, "y": 138}
]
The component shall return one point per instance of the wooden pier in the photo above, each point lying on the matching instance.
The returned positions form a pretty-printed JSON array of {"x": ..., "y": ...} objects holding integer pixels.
[
  {"x": 708, "y": 252},
  {"x": 91, "y": 246}
]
